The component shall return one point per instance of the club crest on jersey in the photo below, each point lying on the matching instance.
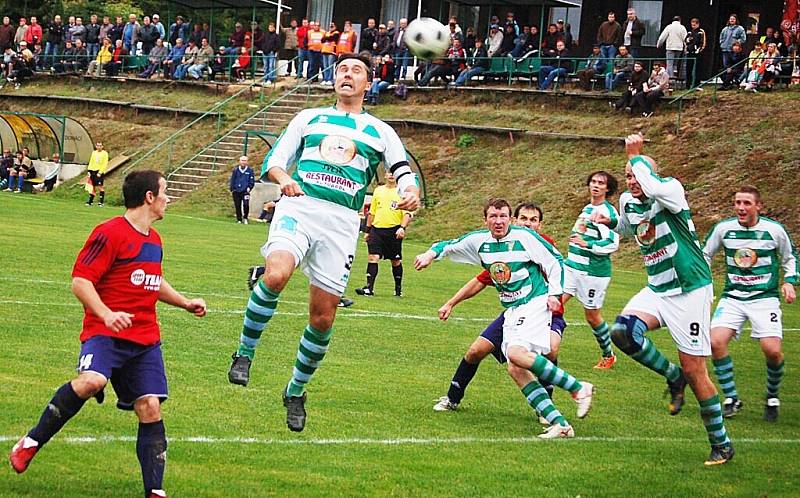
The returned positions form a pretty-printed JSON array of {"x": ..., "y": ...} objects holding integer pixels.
[
  {"x": 337, "y": 149},
  {"x": 500, "y": 273},
  {"x": 150, "y": 282},
  {"x": 645, "y": 233},
  {"x": 745, "y": 258},
  {"x": 580, "y": 226}
]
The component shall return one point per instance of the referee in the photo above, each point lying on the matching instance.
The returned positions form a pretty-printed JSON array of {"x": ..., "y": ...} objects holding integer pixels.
[
  {"x": 386, "y": 229},
  {"x": 97, "y": 170}
]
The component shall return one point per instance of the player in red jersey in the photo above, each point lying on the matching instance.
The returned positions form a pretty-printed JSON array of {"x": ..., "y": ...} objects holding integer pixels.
[
  {"x": 530, "y": 216},
  {"x": 117, "y": 277}
]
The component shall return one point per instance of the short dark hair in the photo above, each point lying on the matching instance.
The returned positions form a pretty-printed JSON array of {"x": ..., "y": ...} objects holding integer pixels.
[
  {"x": 363, "y": 56},
  {"x": 530, "y": 207},
  {"x": 611, "y": 182},
  {"x": 750, "y": 189},
  {"x": 496, "y": 203},
  {"x": 136, "y": 186}
]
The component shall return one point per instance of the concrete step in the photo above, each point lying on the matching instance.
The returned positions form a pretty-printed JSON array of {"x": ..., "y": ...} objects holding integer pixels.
[
  {"x": 190, "y": 184},
  {"x": 204, "y": 172},
  {"x": 183, "y": 176},
  {"x": 175, "y": 189}
]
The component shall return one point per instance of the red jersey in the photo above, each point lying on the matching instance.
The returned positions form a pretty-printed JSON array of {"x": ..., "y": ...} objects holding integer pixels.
[
  {"x": 484, "y": 277},
  {"x": 125, "y": 267}
]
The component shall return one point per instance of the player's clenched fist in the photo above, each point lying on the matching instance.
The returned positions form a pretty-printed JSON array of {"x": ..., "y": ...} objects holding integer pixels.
[
  {"x": 291, "y": 188},
  {"x": 444, "y": 312},
  {"x": 117, "y": 320},
  {"x": 196, "y": 307},
  {"x": 410, "y": 200}
]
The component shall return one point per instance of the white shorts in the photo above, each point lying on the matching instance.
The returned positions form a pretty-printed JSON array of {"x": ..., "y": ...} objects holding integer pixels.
[
  {"x": 764, "y": 315},
  {"x": 528, "y": 326},
  {"x": 687, "y": 316},
  {"x": 589, "y": 290},
  {"x": 321, "y": 235}
]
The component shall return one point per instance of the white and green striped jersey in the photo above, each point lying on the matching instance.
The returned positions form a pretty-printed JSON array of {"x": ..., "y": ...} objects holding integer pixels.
[
  {"x": 602, "y": 240},
  {"x": 522, "y": 264},
  {"x": 337, "y": 154},
  {"x": 753, "y": 257},
  {"x": 663, "y": 228}
]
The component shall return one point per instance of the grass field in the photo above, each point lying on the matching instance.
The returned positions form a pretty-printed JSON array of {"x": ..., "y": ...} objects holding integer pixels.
[{"x": 371, "y": 430}]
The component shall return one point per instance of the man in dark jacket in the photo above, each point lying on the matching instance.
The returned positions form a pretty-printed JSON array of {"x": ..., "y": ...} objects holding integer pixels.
[
  {"x": 270, "y": 45},
  {"x": 92, "y": 37},
  {"x": 695, "y": 47},
  {"x": 734, "y": 73},
  {"x": 368, "y": 36},
  {"x": 242, "y": 182},
  {"x": 115, "y": 33},
  {"x": 148, "y": 34},
  {"x": 595, "y": 64},
  {"x": 559, "y": 65},
  {"x": 178, "y": 29},
  {"x": 609, "y": 37},
  {"x": 383, "y": 42},
  {"x": 476, "y": 64},
  {"x": 635, "y": 85},
  {"x": 55, "y": 37},
  {"x": 7, "y": 32},
  {"x": 632, "y": 33}
]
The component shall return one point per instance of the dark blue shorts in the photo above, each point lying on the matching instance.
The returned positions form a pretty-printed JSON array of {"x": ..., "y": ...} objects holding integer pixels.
[
  {"x": 134, "y": 370},
  {"x": 494, "y": 333}
]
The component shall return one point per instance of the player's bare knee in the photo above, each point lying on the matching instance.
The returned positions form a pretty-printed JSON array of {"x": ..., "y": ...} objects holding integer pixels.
[
  {"x": 397, "y": 262},
  {"x": 517, "y": 373},
  {"x": 373, "y": 258},
  {"x": 478, "y": 351},
  {"x": 719, "y": 344},
  {"x": 774, "y": 356},
  {"x": 88, "y": 384},
  {"x": 593, "y": 317},
  {"x": 148, "y": 409}
]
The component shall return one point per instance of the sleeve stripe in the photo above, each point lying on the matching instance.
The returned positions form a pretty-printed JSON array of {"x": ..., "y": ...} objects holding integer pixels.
[
  {"x": 401, "y": 175},
  {"x": 95, "y": 249},
  {"x": 396, "y": 166}
]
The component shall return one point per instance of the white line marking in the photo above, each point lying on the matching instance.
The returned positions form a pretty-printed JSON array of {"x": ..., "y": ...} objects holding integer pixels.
[{"x": 402, "y": 441}]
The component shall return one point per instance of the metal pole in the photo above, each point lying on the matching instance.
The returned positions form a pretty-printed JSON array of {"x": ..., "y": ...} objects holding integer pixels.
[
  {"x": 211, "y": 39},
  {"x": 253, "y": 42},
  {"x": 63, "y": 136}
]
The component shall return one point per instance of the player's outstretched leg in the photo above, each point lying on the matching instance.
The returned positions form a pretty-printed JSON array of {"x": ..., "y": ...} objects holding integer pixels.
[
  {"x": 721, "y": 447},
  {"x": 540, "y": 401},
  {"x": 151, "y": 445},
  {"x": 627, "y": 333},
  {"x": 62, "y": 407},
  {"x": 458, "y": 386},
  {"x": 260, "y": 309},
  {"x": 313, "y": 346}
]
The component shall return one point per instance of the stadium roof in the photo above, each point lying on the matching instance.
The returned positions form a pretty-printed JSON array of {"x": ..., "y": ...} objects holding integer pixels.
[
  {"x": 552, "y": 3},
  {"x": 229, "y": 4}
]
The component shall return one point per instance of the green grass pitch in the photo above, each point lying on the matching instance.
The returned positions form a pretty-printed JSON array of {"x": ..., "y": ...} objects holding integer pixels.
[{"x": 371, "y": 430}]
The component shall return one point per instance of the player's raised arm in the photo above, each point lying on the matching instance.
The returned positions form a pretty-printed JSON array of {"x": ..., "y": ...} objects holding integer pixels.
[
  {"x": 608, "y": 243},
  {"x": 167, "y": 294},
  {"x": 468, "y": 291},
  {"x": 666, "y": 191}
]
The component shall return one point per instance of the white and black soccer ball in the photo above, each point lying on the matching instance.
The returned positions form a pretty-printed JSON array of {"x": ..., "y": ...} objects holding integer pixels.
[{"x": 427, "y": 38}]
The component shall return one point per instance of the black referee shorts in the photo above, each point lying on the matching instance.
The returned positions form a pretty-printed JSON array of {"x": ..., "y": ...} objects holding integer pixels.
[
  {"x": 96, "y": 177},
  {"x": 384, "y": 242}
]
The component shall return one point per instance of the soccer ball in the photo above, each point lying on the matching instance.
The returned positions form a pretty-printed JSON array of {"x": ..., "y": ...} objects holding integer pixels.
[{"x": 427, "y": 38}]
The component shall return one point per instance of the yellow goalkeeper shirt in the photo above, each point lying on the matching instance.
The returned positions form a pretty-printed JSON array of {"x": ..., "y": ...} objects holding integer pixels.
[{"x": 384, "y": 208}]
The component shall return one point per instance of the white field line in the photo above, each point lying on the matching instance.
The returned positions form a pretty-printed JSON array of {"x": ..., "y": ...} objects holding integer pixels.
[
  {"x": 403, "y": 441},
  {"x": 344, "y": 313}
]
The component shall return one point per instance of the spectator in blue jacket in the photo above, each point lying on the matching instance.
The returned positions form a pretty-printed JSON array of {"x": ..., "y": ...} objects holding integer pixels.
[
  {"x": 730, "y": 34},
  {"x": 242, "y": 182}
]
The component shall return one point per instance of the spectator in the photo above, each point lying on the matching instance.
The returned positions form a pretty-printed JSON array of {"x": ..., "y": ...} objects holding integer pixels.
[
  {"x": 368, "y": 36},
  {"x": 401, "y": 54},
  {"x": 78, "y": 31},
  {"x": 674, "y": 38},
  {"x": 116, "y": 31},
  {"x": 383, "y": 43},
  {"x": 105, "y": 31},
  {"x": 456, "y": 34},
  {"x": 219, "y": 63},
  {"x": 638, "y": 79},
  {"x": 623, "y": 66},
  {"x": 495, "y": 40},
  {"x": 632, "y": 33},
  {"x": 7, "y": 64},
  {"x": 453, "y": 65},
  {"x": 103, "y": 58},
  {"x": 384, "y": 76},
  {"x": 68, "y": 29},
  {"x": 510, "y": 21},
  {"x": 595, "y": 64},
  {"x": 755, "y": 69},
  {"x": 302, "y": 47},
  {"x": 22, "y": 168},
  {"x": 186, "y": 62},
  {"x": 558, "y": 66},
  {"x": 81, "y": 58},
  {"x": 92, "y": 37},
  {"x": 454, "y": 21},
  {"x": 6, "y": 164},
  {"x": 734, "y": 72},
  {"x": 270, "y": 47},
  {"x": 695, "y": 46},
  {"x": 240, "y": 65},
  {"x": 51, "y": 177},
  {"x": 64, "y": 61},
  {"x": 55, "y": 37},
  {"x": 178, "y": 29},
  {"x": 609, "y": 37},
  {"x": 96, "y": 171},
  {"x": 551, "y": 38},
  {"x": 390, "y": 30},
  {"x": 314, "y": 36},
  {"x": 655, "y": 88},
  {"x": 566, "y": 33},
  {"x": 201, "y": 60},
  {"x": 197, "y": 34},
  {"x": 34, "y": 33},
  {"x": 242, "y": 182},
  {"x": 118, "y": 57},
  {"x": 6, "y": 34},
  {"x": 25, "y": 65},
  {"x": 130, "y": 35},
  {"x": 347, "y": 39},
  {"x": 155, "y": 59},
  {"x": 162, "y": 33},
  {"x": 174, "y": 58},
  {"x": 236, "y": 40},
  {"x": 507, "y": 46},
  {"x": 476, "y": 64},
  {"x": 256, "y": 36},
  {"x": 731, "y": 33},
  {"x": 21, "y": 33},
  {"x": 267, "y": 212},
  {"x": 290, "y": 46},
  {"x": 38, "y": 56},
  {"x": 523, "y": 44},
  {"x": 148, "y": 34},
  {"x": 772, "y": 65},
  {"x": 329, "y": 41}
]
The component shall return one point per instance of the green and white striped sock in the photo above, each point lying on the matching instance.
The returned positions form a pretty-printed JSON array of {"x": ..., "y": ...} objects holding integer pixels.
[
  {"x": 723, "y": 368},
  {"x": 545, "y": 370},
  {"x": 260, "y": 309},
  {"x": 603, "y": 339},
  {"x": 774, "y": 377},
  {"x": 711, "y": 411},
  {"x": 313, "y": 346},
  {"x": 652, "y": 358},
  {"x": 541, "y": 402}
]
